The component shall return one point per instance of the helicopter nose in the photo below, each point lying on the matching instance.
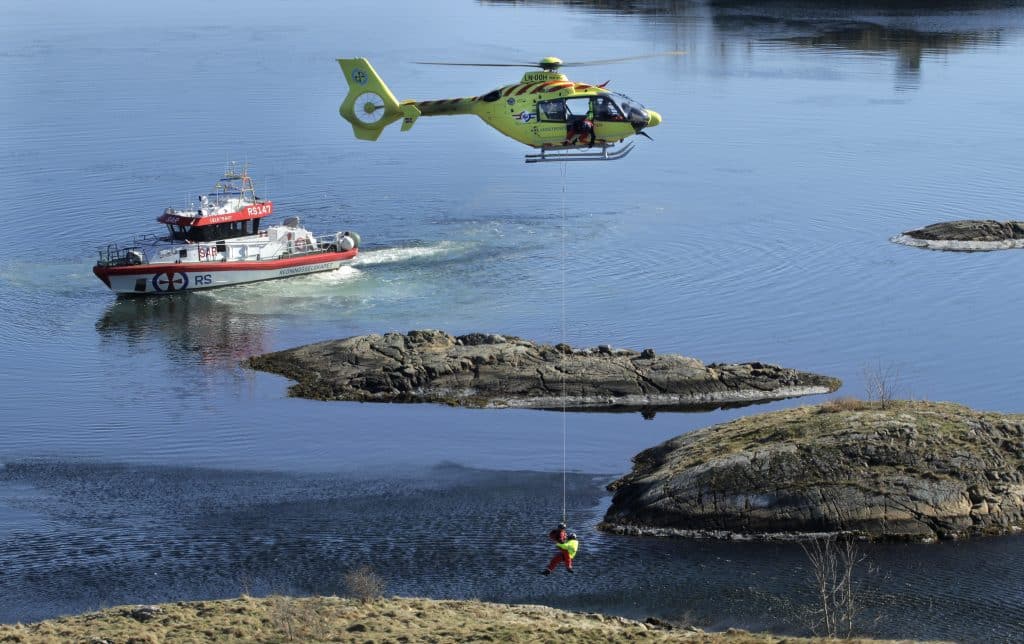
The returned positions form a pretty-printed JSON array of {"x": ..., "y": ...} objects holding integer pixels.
[{"x": 654, "y": 118}]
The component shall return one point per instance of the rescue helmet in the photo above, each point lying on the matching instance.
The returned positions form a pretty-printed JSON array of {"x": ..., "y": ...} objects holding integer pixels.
[
  {"x": 572, "y": 535},
  {"x": 561, "y": 526}
]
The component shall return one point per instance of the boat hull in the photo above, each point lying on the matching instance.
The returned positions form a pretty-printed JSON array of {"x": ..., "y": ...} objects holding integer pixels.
[{"x": 167, "y": 278}]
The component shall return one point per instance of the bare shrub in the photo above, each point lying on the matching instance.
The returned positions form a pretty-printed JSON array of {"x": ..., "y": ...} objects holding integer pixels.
[
  {"x": 246, "y": 580},
  {"x": 283, "y": 614},
  {"x": 881, "y": 382},
  {"x": 833, "y": 562},
  {"x": 364, "y": 584},
  {"x": 300, "y": 619},
  {"x": 847, "y": 403},
  {"x": 315, "y": 618}
]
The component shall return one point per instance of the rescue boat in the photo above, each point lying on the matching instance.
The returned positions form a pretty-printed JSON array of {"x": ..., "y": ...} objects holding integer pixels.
[{"x": 220, "y": 243}]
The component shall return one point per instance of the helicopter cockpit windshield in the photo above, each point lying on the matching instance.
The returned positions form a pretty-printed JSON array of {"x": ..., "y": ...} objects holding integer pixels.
[{"x": 634, "y": 111}]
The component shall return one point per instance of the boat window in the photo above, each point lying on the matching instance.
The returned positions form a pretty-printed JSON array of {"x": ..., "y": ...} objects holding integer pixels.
[
  {"x": 578, "y": 106},
  {"x": 196, "y": 233},
  {"x": 606, "y": 110},
  {"x": 181, "y": 232},
  {"x": 553, "y": 110}
]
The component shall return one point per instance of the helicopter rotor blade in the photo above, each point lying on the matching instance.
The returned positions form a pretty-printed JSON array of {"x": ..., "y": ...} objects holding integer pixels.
[
  {"x": 622, "y": 60},
  {"x": 420, "y": 62}
]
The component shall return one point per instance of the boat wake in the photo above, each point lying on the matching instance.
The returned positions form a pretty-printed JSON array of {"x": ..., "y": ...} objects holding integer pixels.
[
  {"x": 403, "y": 253},
  {"x": 346, "y": 273},
  {"x": 348, "y": 280}
]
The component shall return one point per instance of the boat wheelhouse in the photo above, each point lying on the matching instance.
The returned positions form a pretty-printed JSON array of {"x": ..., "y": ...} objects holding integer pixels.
[{"x": 231, "y": 210}]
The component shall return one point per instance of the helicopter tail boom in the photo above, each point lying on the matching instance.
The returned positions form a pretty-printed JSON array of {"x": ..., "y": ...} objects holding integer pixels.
[{"x": 369, "y": 105}]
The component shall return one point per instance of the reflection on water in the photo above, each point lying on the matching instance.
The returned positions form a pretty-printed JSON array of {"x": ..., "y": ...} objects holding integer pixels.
[
  {"x": 911, "y": 30},
  {"x": 910, "y": 47},
  {"x": 194, "y": 328}
]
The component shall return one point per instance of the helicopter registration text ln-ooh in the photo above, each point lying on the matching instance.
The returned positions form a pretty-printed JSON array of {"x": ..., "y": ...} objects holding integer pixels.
[{"x": 565, "y": 120}]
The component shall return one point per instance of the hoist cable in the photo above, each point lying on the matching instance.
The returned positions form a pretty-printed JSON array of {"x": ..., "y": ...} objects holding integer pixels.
[{"x": 564, "y": 515}]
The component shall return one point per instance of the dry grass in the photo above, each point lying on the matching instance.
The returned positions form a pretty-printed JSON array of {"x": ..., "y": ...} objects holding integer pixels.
[
  {"x": 322, "y": 619},
  {"x": 845, "y": 403}
]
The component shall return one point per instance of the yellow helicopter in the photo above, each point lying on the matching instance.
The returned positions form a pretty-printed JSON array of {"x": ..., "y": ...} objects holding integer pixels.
[{"x": 565, "y": 120}]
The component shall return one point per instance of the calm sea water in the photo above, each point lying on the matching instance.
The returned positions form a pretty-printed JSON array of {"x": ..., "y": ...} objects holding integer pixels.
[{"x": 140, "y": 462}]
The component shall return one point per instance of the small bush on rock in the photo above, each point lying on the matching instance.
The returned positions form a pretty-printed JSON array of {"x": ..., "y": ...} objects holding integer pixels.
[{"x": 364, "y": 584}]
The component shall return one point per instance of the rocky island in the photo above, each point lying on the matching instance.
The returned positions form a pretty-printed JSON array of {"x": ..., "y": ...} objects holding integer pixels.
[
  {"x": 903, "y": 470},
  {"x": 966, "y": 235},
  {"x": 489, "y": 370}
]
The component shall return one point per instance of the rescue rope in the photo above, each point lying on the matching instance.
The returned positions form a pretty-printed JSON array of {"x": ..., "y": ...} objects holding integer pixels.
[{"x": 564, "y": 515}]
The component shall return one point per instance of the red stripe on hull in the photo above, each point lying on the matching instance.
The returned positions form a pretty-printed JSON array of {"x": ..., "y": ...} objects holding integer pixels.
[{"x": 208, "y": 267}]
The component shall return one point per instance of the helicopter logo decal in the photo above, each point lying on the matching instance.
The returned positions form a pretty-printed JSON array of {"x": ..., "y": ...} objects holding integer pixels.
[{"x": 569, "y": 120}]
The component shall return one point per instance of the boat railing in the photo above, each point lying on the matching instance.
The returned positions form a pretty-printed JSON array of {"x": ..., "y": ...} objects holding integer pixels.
[
  {"x": 327, "y": 243},
  {"x": 299, "y": 247},
  {"x": 129, "y": 253},
  {"x": 117, "y": 255}
]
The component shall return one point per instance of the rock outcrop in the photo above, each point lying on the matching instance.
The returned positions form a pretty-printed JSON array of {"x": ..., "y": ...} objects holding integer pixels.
[
  {"x": 480, "y": 370},
  {"x": 966, "y": 235},
  {"x": 913, "y": 470}
]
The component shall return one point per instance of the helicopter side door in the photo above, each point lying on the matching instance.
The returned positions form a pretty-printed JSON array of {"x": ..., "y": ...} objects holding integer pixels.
[
  {"x": 551, "y": 117},
  {"x": 573, "y": 116},
  {"x": 552, "y": 111},
  {"x": 599, "y": 117}
]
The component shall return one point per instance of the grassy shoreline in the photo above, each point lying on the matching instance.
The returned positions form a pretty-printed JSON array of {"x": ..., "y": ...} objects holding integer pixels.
[{"x": 338, "y": 619}]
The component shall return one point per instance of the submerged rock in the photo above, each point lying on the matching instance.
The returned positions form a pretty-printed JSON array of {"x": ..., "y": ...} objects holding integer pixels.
[
  {"x": 913, "y": 470},
  {"x": 966, "y": 235},
  {"x": 489, "y": 370}
]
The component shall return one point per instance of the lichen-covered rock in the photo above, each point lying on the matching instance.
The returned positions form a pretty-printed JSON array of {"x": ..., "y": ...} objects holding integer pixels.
[
  {"x": 911, "y": 470},
  {"x": 490, "y": 370},
  {"x": 966, "y": 235}
]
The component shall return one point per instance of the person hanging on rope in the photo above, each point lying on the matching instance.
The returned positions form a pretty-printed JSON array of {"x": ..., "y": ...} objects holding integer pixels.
[{"x": 567, "y": 545}]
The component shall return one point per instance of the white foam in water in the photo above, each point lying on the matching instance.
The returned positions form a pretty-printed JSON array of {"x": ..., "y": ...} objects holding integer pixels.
[
  {"x": 309, "y": 284},
  {"x": 392, "y": 255},
  {"x": 956, "y": 244},
  {"x": 345, "y": 273}
]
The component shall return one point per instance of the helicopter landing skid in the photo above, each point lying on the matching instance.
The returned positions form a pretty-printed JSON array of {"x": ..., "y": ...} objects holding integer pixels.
[{"x": 579, "y": 154}]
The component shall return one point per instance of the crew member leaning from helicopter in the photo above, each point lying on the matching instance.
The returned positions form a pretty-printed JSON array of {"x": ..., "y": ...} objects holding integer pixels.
[{"x": 580, "y": 129}]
